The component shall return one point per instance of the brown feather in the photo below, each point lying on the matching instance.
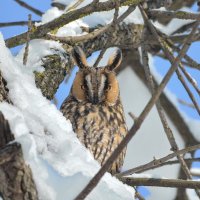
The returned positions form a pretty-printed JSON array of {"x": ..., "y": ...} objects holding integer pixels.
[{"x": 95, "y": 111}]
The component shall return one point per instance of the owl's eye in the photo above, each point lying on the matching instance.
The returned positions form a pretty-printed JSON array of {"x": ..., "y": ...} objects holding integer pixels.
[{"x": 82, "y": 87}]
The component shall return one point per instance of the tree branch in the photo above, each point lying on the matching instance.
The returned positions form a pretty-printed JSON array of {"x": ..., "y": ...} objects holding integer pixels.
[
  {"x": 172, "y": 14},
  {"x": 158, "y": 162},
  {"x": 25, "y": 5},
  {"x": 178, "y": 183},
  {"x": 66, "y": 18},
  {"x": 25, "y": 58},
  {"x": 15, "y": 176},
  {"x": 19, "y": 23}
]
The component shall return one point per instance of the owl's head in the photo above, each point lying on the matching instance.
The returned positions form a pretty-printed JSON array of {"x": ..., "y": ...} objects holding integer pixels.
[{"x": 96, "y": 84}]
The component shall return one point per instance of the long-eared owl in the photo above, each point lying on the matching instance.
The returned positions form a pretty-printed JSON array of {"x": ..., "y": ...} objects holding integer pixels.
[{"x": 95, "y": 110}]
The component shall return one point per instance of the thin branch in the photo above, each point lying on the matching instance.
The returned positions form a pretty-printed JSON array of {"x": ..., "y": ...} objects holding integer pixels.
[
  {"x": 168, "y": 53},
  {"x": 138, "y": 195},
  {"x": 99, "y": 57},
  {"x": 94, "y": 181},
  {"x": 172, "y": 14},
  {"x": 157, "y": 162},
  {"x": 19, "y": 23},
  {"x": 186, "y": 103},
  {"x": 151, "y": 85},
  {"x": 134, "y": 118},
  {"x": 59, "y": 5},
  {"x": 177, "y": 183},
  {"x": 190, "y": 62},
  {"x": 187, "y": 75},
  {"x": 76, "y": 39},
  {"x": 25, "y": 58},
  {"x": 190, "y": 79},
  {"x": 188, "y": 161},
  {"x": 188, "y": 91},
  {"x": 66, "y": 18},
  {"x": 116, "y": 13},
  {"x": 180, "y": 38},
  {"x": 113, "y": 23},
  {"x": 75, "y": 5},
  {"x": 27, "y": 6}
]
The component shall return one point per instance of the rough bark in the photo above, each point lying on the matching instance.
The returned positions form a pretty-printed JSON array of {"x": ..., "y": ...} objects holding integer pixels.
[
  {"x": 15, "y": 176},
  {"x": 3, "y": 90}
]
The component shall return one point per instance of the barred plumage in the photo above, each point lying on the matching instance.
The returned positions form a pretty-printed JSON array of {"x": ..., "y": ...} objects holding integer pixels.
[{"x": 95, "y": 110}]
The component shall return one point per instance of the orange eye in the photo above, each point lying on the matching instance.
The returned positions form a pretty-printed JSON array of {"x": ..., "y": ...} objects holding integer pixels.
[{"x": 82, "y": 87}]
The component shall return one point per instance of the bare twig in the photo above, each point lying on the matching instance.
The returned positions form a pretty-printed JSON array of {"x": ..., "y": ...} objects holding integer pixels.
[
  {"x": 99, "y": 57},
  {"x": 157, "y": 162},
  {"x": 190, "y": 62},
  {"x": 75, "y": 5},
  {"x": 27, "y": 41},
  {"x": 27, "y": 6},
  {"x": 177, "y": 183},
  {"x": 188, "y": 161},
  {"x": 172, "y": 14},
  {"x": 76, "y": 39},
  {"x": 59, "y": 5},
  {"x": 188, "y": 91},
  {"x": 190, "y": 79},
  {"x": 167, "y": 129},
  {"x": 66, "y": 18},
  {"x": 186, "y": 103},
  {"x": 138, "y": 195},
  {"x": 19, "y": 23},
  {"x": 134, "y": 118},
  {"x": 151, "y": 84},
  {"x": 116, "y": 12},
  {"x": 113, "y": 23},
  {"x": 180, "y": 38}
]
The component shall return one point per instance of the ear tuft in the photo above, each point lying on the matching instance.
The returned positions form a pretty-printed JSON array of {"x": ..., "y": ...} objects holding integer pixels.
[
  {"x": 115, "y": 60},
  {"x": 79, "y": 57}
]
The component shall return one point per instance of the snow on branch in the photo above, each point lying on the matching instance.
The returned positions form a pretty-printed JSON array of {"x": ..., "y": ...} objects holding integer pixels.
[{"x": 67, "y": 18}]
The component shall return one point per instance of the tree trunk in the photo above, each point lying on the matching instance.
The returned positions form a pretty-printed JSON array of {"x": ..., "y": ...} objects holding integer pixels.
[{"x": 15, "y": 176}]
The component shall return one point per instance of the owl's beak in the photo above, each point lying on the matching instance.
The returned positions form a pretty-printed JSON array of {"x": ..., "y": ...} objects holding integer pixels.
[{"x": 95, "y": 100}]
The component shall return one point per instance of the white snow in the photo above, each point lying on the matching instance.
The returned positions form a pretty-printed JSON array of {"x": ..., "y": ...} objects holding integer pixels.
[
  {"x": 38, "y": 49},
  {"x": 71, "y": 29},
  {"x": 174, "y": 24},
  {"x": 195, "y": 170},
  {"x": 92, "y": 20},
  {"x": 51, "y": 14},
  {"x": 191, "y": 194},
  {"x": 61, "y": 166}
]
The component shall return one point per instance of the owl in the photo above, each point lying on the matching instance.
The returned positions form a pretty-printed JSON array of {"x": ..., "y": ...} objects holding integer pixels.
[{"x": 95, "y": 109}]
